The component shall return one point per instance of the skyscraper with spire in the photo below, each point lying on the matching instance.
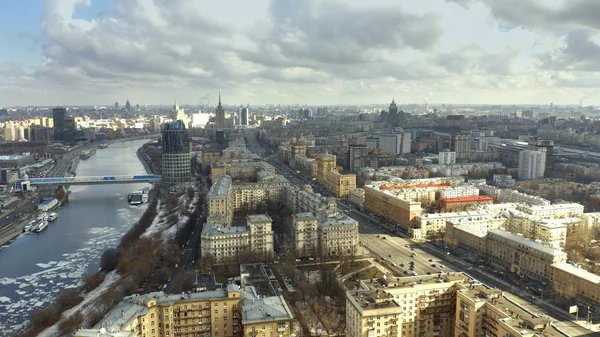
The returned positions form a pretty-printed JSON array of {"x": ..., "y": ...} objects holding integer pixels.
[
  {"x": 178, "y": 114},
  {"x": 393, "y": 114},
  {"x": 220, "y": 115},
  {"x": 128, "y": 107}
]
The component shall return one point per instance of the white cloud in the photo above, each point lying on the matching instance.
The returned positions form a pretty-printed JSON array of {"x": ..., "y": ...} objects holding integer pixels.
[{"x": 314, "y": 51}]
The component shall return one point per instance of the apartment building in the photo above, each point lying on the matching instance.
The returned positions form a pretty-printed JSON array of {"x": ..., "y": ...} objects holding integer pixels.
[
  {"x": 400, "y": 211},
  {"x": 469, "y": 238},
  {"x": 261, "y": 235},
  {"x": 207, "y": 313},
  {"x": 241, "y": 170},
  {"x": 219, "y": 198},
  {"x": 464, "y": 203},
  {"x": 575, "y": 283},
  {"x": 357, "y": 196},
  {"x": 251, "y": 195},
  {"x": 305, "y": 234},
  {"x": 550, "y": 232},
  {"x": 437, "y": 222},
  {"x": 372, "y": 313},
  {"x": 229, "y": 243},
  {"x": 556, "y": 211},
  {"x": 325, "y": 163},
  {"x": 339, "y": 184},
  {"x": 481, "y": 311},
  {"x": 459, "y": 191},
  {"x": 266, "y": 316},
  {"x": 338, "y": 236},
  {"x": 522, "y": 256},
  {"x": 427, "y": 304},
  {"x": 439, "y": 305},
  {"x": 304, "y": 200},
  {"x": 508, "y": 195}
]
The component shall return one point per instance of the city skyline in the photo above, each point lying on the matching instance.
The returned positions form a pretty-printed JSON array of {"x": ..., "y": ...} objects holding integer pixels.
[{"x": 90, "y": 52}]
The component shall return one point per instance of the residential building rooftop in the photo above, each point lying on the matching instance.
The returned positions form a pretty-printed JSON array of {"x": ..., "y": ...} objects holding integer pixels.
[
  {"x": 221, "y": 187},
  {"x": 582, "y": 273},
  {"x": 526, "y": 242},
  {"x": 257, "y": 309}
]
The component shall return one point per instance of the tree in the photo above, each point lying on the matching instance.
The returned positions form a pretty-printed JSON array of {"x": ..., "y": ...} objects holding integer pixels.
[
  {"x": 66, "y": 299},
  {"x": 69, "y": 325},
  {"x": 109, "y": 260},
  {"x": 207, "y": 261}
]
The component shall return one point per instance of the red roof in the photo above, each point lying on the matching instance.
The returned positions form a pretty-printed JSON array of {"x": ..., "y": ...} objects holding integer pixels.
[{"x": 467, "y": 199}]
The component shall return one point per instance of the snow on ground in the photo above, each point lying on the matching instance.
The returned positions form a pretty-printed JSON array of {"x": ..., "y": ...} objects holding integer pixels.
[
  {"x": 87, "y": 305},
  {"x": 160, "y": 224}
]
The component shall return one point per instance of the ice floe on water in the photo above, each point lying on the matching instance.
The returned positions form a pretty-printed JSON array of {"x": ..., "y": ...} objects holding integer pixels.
[{"x": 22, "y": 295}]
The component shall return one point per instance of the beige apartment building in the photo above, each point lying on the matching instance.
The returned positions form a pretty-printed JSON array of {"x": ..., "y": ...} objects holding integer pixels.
[
  {"x": 305, "y": 233},
  {"x": 575, "y": 283},
  {"x": 227, "y": 244},
  {"x": 339, "y": 184},
  {"x": 427, "y": 303},
  {"x": 357, "y": 196},
  {"x": 550, "y": 232},
  {"x": 399, "y": 211},
  {"x": 338, "y": 236},
  {"x": 251, "y": 195},
  {"x": 438, "y": 305},
  {"x": 522, "y": 256},
  {"x": 482, "y": 311},
  {"x": 219, "y": 198},
  {"x": 467, "y": 237},
  {"x": 372, "y": 313},
  {"x": 208, "y": 313},
  {"x": 266, "y": 316},
  {"x": 241, "y": 170},
  {"x": 325, "y": 163},
  {"x": 232, "y": 312}
]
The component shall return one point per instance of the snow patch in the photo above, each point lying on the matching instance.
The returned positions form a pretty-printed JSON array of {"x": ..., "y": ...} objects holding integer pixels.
[{"x": 87, "y": 305}]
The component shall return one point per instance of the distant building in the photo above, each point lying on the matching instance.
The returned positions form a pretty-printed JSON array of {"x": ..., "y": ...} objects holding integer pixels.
[
  {"x": 532, "y": 164},
  {"x": 395, "y": 143},
  {"x": 355, "y": 156},
  {"x": 460, "y": 143},
  {"x": 447, "y": 158},
  {"x": 244, "y": 116},
  {"x": 220, "y": 121},
  {"x": 58, "y": 116},
  {"x": 176, "y": 157}
]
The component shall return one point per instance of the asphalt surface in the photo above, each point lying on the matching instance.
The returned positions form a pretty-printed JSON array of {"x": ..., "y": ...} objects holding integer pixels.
[{"x": 190, "y": 250}]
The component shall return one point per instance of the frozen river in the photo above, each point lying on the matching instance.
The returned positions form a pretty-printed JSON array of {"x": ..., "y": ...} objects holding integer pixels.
[{"x": 36, "y": 266}]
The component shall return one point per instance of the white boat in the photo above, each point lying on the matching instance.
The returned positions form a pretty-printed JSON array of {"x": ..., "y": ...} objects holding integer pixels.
[
  {"x": 52, "y": 217},
  {"x": 42, "y": 224},
  {"x": 30, "y": 226},
  {"x": 43, "y": 216},
  {"x": 48, "y": 205}
]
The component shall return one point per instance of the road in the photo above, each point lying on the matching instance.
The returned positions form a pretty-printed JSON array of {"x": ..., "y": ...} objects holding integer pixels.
[{"x": 191, "y": 250}]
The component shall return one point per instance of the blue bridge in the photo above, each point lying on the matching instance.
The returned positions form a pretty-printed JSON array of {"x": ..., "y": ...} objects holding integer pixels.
[{"x": 148, "y": 178}]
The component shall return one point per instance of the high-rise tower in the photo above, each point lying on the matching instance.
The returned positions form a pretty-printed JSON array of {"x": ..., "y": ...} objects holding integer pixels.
[
  {"x": 176, "y": 158},
  {"x": 220, "y": 115},
  {"x": 393, "y": 114}
]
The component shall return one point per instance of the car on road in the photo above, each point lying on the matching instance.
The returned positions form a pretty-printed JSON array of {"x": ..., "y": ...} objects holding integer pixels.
[{"x": 390, "y": 255}]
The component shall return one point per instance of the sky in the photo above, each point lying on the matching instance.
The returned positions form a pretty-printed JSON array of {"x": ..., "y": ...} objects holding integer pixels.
[{"x": 314, "y": 52}]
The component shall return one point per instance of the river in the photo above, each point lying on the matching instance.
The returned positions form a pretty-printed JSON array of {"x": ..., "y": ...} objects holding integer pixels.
[{"x": 36, "y": 266}]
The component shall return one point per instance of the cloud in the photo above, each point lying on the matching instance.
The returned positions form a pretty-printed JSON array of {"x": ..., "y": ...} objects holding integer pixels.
[
  {"x": 580, "y": 53},
  {"x": 542, "y": 14},
  {"x": 329, "y": 51}
]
